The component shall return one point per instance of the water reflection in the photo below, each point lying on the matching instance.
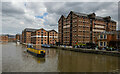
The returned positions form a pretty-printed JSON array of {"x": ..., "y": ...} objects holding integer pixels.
[
  {"x": 81, "y": 62},
  {"x": 15, "y": 58},
  {"x": 37, "y": 46},
  {"x": 3, "y": 42},
  {"x": 39, "y": 60}
]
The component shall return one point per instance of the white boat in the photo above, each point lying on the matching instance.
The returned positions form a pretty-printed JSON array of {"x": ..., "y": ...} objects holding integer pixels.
[{"x": 18, "y": 42}]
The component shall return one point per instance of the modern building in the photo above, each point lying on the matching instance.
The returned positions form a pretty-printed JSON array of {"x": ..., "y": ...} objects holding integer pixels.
[
  {"x": 111, "y": 39},
  {"x": 26, "y": 35},
  {"x": 39, "y": 37},
  {"x": 82, "y": 28},
  {"x": 3, "y": 38},
  {"x": 53, "y": 37}
]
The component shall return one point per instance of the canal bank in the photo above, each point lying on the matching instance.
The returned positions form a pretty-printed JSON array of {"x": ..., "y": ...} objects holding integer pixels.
[{"x": 92, "y": 51}]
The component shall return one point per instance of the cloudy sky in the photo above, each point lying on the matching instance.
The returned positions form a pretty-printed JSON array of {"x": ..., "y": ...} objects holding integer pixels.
[{"x": 19, "y": 15}]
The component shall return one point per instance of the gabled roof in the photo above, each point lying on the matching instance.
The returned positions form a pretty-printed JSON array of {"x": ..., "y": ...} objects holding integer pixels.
[
  {"x": 39, "y": 29},
  {"x": 87, "y": 15},
  {"x": 80, "y": 14},
  {"x": 98, "y": 17},
  {"x": 52, "y": 30},
  {"x": 61, "y": 17},
  {"x": 29, "y": 29}
]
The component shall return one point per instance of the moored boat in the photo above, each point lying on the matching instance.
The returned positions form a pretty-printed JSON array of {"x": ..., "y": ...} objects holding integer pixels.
[
  {"x": 35, "y": 52},
  {"x": 18, "y": 42},
  {"x": 46, "y": 45}
]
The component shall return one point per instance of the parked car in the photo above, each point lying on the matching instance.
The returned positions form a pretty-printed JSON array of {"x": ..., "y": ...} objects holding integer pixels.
[{"x": 111, "y": 49}]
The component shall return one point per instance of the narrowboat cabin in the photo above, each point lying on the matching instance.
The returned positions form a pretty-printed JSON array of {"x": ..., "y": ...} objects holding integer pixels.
[{"x": 34, "y": 51}]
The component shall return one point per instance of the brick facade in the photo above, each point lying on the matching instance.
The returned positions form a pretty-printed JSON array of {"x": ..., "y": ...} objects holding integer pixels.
[
  {"x": 39, "y": 37},
  {"x": 108, "y": 39},
  {"x": 53, "y": 37},
  {"x": 60, "y": 29},
  {"x": 26, "y": 35},
  {"x": 3, "y": 38},
  {"x": 82, "y": 28}
]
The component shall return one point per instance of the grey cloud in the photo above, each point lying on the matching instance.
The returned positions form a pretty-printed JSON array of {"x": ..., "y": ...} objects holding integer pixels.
[
  {"x": 11, "y": 18},
  {"x": 87, "y": 7},
  {"x": 119, "y": 15},
  {"x": 8, "y": 8},
  {"x": 56, "y": 7}
]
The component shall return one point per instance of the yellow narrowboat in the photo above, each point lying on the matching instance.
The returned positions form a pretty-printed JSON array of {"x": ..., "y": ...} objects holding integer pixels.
[{"x": 35, "y": 52}]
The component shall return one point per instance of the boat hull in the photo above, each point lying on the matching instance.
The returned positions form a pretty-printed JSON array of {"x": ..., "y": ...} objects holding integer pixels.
[
  {"x": 37, "y": 55},
  {"x": 45, "y": 47},
  {"x": 18, "y": 43}
]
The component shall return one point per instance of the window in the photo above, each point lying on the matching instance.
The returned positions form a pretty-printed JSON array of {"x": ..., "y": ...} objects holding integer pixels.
[
  {"x": 105, "y": 37},
  {"x": 101, "y": 43},
  {"x": 104, "y": 43},
  {"x": 101, "y": 36},
  {"x": 118, "y": 36},
  {"x": 83, "y": 17},
  {"x": 41, "y": 31}
]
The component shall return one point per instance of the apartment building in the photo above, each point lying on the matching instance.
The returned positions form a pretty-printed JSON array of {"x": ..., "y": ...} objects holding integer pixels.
[
  {"x": 26, "y": 35},
  {"x": 82, "y": 28},
  {"x": 39, "y": 37},
  {"x": 3, "y": 38},
  {"x": 53, "y": 37},
  {"x": 60, "y": 28},
  {"x": 108, "y": 39},
  {"x": 42, "y": 36}
]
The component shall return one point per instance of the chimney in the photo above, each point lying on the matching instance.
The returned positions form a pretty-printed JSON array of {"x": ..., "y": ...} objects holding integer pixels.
[
  {"x": 107, "y": 18},
  {"x": 92, "y": 16}
]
